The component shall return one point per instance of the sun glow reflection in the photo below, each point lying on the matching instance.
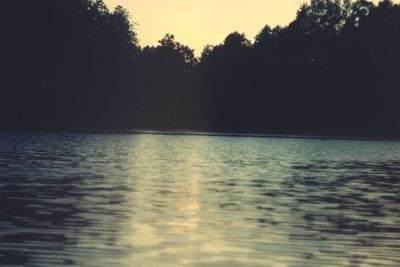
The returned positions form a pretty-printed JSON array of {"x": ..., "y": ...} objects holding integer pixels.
[{"x": 179, "y": 195}]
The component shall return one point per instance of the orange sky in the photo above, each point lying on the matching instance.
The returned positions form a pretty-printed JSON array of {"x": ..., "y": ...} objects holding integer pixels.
[{"x": 200, "y": 22}]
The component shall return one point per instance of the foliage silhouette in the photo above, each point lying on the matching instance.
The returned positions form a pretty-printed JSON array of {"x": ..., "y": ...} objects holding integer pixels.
[{"x": 75, "y": 65}]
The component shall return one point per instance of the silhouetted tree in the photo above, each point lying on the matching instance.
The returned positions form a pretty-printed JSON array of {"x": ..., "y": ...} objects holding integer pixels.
[
  {"x": 74, "y": 64},
  {"x": 166, "y": 76},
  {"x": 67, "y": 64}
]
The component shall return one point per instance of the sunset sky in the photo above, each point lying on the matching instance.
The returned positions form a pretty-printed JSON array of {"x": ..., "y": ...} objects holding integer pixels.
[{"x": 200, "y": 22}]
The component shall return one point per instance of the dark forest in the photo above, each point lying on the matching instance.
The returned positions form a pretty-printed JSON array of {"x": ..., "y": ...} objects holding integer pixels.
[{"x": 74, "y": 65}]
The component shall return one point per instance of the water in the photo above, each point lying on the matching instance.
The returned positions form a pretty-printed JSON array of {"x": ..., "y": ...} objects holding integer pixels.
[{"x": 159, "y": 200}]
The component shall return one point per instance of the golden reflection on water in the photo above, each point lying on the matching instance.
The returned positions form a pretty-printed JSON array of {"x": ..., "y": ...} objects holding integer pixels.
[
  {"x": 176, "y": 223},
  {"x": 179, "y": 202},
  {"x": 155, "y": 200},
  {"x": 171, "y": 223}
]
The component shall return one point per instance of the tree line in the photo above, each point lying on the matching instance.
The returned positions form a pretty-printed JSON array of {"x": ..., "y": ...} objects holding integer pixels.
[{"x": 76, "y": 65}]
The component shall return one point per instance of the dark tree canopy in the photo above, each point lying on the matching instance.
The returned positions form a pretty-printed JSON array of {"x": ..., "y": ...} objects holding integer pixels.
[
  {"x": 61, "y": 59},
  {"x": 76, "y": 65}
]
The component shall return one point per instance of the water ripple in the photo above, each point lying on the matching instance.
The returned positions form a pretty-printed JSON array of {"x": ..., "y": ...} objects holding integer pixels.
[{"x": 153, "y": 200}]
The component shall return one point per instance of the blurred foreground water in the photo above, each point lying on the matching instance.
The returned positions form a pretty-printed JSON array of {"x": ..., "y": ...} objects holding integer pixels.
[{"x": 163, "y": 200}]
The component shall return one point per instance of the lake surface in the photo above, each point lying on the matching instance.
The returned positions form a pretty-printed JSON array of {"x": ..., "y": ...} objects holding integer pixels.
[{"x": 163, "y": 200}]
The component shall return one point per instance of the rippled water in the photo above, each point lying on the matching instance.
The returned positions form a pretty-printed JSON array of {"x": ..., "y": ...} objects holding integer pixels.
[{"x": 159, "y": 200}]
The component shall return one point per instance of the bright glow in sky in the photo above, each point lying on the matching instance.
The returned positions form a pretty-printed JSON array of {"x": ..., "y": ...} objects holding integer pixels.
[{"x": 200, "y": 22}]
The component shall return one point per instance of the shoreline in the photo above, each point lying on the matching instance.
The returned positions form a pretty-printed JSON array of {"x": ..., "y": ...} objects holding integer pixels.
[{"x": 212, "y": 134}]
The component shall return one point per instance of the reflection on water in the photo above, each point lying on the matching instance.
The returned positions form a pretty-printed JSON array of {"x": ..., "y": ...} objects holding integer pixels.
[{"x": 152, "y": 200}]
